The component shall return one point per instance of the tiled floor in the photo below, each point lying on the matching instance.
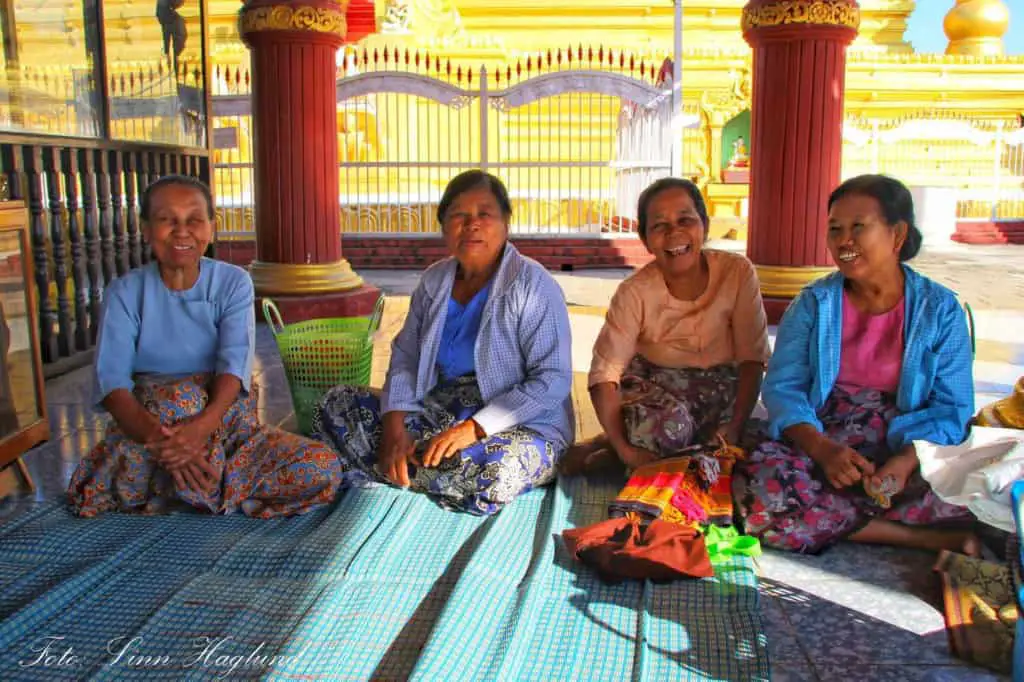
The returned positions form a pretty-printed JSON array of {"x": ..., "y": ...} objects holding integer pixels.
[{"x": 855, "y": 613}]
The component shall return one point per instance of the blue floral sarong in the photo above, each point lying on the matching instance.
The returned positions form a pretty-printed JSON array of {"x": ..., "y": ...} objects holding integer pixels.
[{"x": 480, "y": 479}]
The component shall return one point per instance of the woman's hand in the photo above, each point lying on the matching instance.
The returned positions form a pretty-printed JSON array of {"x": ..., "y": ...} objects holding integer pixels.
[
  {"x": 448, "y": 443},
  {"x": 634, "y": 457},
  {"x": 184, "y": 442},
  {"x": 730, "y": 433},
  {"x": 843, "y": 466},
  {"x": 396, "y": 449},
  {"x": 136, "y": 422},
  {"x": 145, "y": 429},
  {"x": 196, "y": 474}
]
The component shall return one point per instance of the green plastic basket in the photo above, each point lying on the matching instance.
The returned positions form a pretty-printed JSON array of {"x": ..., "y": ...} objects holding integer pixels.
[{"x": 320, "y": 354}]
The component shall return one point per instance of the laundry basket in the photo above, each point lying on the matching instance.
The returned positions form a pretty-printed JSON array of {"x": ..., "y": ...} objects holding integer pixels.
[{"x": 321, "y": 354}]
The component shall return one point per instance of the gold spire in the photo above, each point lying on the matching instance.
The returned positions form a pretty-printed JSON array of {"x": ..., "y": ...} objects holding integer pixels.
[{"x": 976, "y": 27}]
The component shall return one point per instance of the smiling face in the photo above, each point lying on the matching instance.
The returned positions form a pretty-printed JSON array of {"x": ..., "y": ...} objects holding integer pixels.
[
  {"x": 475, "y": 229},
  {"x": 862, "y": 243},
  {"x": 178, "y": 227},
  {"x": 675, "y": 231}
]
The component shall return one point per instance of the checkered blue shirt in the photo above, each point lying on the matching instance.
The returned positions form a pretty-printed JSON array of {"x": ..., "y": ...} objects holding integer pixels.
[
  {"x": 523, "y": 352},
  {"x": 935, "y": 398}
]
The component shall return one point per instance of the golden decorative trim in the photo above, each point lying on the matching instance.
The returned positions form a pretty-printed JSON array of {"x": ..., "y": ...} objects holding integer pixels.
[
  {"x": 298, "y": 278},
  {"x": 814, "y": 12},
  {"x": 786, "y": 281},
  {"x": 976, "y": 47},
  {"x": 284, "y": 18}
]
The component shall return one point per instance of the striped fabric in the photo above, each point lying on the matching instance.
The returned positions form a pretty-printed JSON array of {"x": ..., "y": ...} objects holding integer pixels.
[
  {"x": 383, "y": 585},
  {"x": 673, "y": 490}
]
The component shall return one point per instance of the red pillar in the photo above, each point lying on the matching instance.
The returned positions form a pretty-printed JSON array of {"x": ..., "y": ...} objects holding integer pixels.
[
  {"x": 298, "y": 241},
  {"x": 799, "y": 79}
]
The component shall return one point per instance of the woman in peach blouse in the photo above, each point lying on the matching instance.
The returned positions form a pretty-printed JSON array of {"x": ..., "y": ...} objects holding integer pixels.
[{"x": 681, "y": 356}]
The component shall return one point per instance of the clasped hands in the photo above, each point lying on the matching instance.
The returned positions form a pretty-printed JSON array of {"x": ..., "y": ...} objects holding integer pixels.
[
  {"x": 183, "y": 450},
  {"x": 397, "y": 448}
]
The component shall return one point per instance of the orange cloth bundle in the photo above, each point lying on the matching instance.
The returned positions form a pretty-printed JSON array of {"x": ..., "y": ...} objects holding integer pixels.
[
  {"x": 625, "y": 548},
  {"x": 654, "y": 530}
]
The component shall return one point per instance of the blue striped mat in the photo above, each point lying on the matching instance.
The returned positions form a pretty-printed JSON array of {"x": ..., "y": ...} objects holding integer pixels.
[{"x": 383, "y": 585}]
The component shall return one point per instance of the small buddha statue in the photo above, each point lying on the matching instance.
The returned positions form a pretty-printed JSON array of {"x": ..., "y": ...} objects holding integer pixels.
[{"x": 739, "y": 160}]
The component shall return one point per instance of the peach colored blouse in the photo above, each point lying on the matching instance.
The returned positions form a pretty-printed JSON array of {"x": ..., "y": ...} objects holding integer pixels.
[{"x": 725, "y": 325}]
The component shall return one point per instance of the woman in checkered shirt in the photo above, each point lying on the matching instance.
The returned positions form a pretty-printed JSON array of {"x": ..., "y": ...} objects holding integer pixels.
[{"x": 476, "y": 407}]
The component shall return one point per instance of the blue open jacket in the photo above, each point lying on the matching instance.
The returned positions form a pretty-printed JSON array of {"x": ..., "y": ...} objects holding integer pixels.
[{"x": 935, "y": 398}]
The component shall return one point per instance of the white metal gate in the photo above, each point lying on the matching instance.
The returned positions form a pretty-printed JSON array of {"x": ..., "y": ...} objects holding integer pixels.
[
  {"x": 982, "y": 162},
  {"x": 575, "y": 136}
]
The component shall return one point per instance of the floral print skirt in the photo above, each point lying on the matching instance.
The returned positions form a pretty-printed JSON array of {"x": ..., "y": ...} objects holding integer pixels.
[
  {"x": 788, "y": 503},
  {"x": 668, "y": 410},
  {"x": 263, "y": 471},
  {"x": 480, "y": 479}
]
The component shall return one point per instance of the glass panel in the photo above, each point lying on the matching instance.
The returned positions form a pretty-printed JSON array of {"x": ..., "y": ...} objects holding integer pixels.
[
  {"x": 155, "y": 71},
  {"x": 47, "y": 76},
  {"x": 231, "y": 82},
  {"x": 19, "y": 407}
]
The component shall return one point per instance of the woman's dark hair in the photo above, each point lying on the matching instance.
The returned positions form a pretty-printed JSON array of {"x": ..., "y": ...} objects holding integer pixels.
[
  {"x": 167, "y": 180},
  {"x": 659, "y": 186},
  {"x": 474, "y": 179},
  {"x": 893, "y": 198}
]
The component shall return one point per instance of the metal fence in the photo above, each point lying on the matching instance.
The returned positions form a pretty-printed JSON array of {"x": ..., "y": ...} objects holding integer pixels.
[
  {"x": 982, "y": 162},
  {"x": 575, "y": 134}
]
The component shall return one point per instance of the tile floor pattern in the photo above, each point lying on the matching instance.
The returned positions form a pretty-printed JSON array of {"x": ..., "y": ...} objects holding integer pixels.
[{"x": 855, "y": 613}]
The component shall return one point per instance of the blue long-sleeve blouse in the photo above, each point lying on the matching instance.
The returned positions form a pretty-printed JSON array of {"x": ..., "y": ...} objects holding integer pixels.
[
  {"x": 935, "y": 397},
  {"x": 146, "y": 328}
]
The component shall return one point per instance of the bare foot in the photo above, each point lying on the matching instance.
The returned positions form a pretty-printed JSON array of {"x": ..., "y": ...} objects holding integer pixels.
[
  {"x": 590, "y": 455},
  {"x": 971, "y": 546},
  {"x": 883, "y": 532}
]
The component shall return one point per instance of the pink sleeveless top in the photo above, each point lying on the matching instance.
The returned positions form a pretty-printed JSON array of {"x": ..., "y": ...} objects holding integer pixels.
[{"x": 872, "y": 350}]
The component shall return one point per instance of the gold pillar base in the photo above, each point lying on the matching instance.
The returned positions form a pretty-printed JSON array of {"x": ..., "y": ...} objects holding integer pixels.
[
  {"x": 300, "y": 278},
  {"x": 786, "y": 281}
]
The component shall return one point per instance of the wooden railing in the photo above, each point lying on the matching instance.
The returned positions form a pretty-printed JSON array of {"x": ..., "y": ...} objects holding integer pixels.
[{"x": 83, "y": 201}]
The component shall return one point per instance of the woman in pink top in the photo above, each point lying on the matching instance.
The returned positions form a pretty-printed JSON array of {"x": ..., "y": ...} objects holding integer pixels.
[
  {"x": 680, "y": 359},
  {"x": 867, "y": 361}
]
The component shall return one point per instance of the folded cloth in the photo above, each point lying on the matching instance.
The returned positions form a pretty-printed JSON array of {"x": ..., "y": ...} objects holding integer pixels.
[
  {"x": 978, "y": 473},
  {"x": 688, "y": 490},
  {"x": 628, "y": 548}
]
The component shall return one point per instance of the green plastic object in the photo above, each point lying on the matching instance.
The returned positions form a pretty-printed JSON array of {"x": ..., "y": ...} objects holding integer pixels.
[
  {"x": 724, "y": 543},
  {"x": 320, "y": 354},
  {"x": 970, "y": 327}
]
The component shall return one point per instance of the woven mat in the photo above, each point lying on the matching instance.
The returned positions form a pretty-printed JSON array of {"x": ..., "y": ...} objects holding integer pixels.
[{"x": 383, "y": 585}]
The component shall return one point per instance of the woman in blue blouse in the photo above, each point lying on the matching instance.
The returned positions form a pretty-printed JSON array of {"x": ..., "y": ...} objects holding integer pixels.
[
  {"x": 475, "y": 409},
  {"x": 867, "y": 361},
  {"x": 173, "y": 367}
]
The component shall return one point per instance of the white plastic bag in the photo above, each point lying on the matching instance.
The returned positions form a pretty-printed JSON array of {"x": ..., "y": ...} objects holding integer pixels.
[{"x": 978, "y": 473}]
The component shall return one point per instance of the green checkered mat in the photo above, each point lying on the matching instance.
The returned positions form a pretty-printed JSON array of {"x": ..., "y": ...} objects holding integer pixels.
[{"x": 383, "y": 585}]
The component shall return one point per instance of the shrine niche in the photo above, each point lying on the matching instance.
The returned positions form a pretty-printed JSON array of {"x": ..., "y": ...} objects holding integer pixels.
[{"x": 736, "y": 149}]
